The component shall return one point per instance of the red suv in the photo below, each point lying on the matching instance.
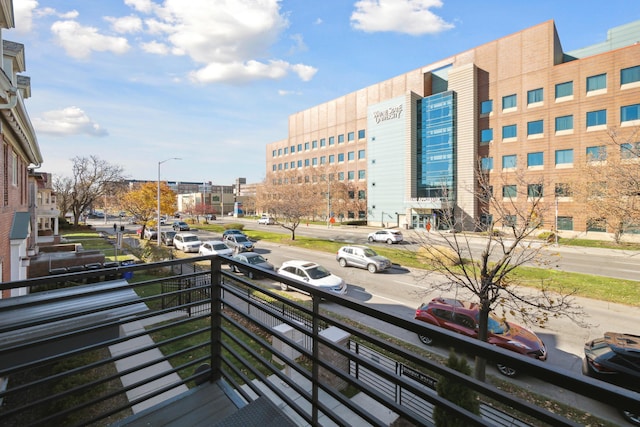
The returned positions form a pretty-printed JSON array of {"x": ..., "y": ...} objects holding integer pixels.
[{"x": 462, "y": 317}]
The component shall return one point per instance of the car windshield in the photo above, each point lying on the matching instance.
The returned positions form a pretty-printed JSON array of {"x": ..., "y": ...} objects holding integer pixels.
[
  {"x": 256, "y": 260},
  {"x": 370, "y": 252},
  {"x": 241, "y": 239},
  {"x": 318, "y": 272},
  {"x": 190, "y": 238},
  {"x": 220, "y": 246},
  {"x": 496, "y": 325}
]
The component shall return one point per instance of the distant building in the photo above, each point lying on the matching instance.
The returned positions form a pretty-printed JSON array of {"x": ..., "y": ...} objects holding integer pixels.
[{"x": 411, "y": 145}]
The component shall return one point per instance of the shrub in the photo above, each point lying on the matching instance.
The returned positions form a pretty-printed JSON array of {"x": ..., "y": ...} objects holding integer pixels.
[
  {"x": 548, "y": 236},
  {"x": 440, "y": 255},
  {"x": 457, "y": 393},
  {"x": 234, "y": 225}
]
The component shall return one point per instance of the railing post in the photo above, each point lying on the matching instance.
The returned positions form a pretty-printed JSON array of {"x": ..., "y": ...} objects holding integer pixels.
[
  {"x": 216, "y": 320},
  {"x": 315, "y": 370}
]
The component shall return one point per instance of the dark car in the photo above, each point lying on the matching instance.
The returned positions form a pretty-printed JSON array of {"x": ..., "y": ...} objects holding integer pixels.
[
  {"x": 462, "y": 317},
  {"x": 253, "y": 259},
  {"x": 166, "y": 237},
  {"x": 615, "y": 358},
  {"x": 225, "y": 233},
  {"x": 181, "y": 226},
  {"x": 238, "y": 242}
]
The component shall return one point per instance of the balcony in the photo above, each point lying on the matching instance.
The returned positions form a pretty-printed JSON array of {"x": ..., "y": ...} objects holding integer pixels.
[{"x": 188, "y": 342}]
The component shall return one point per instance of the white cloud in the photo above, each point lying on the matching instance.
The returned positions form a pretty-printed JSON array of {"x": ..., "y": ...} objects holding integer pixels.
[
  {"x": 126, "y": 24},
  {"x": 79, "y": 41},
  {"x": 402, "y": 16},
  {"x": 67, "y": 122},
  {"x": 283, "y": 92},
  {"x": 144, "y": 6},
  {"x": 155, "y": 48},
  {"x": 305, "y": 72},
  {"x": 23, "y": 11}
]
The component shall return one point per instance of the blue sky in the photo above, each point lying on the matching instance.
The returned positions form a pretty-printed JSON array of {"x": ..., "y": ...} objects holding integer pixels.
[{"x": 135, "y": 82}]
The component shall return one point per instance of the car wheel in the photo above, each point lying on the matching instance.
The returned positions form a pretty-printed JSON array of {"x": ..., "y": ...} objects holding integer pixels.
[
  {"x": 425, "y": 339},
  {"x": 372, "y": 268},
  {"x": 389, "y": 241},
  {"x": 284, "y": 287},
  {"x": 342, "y": 262},
  {"x": 250, "y": 275},
  {"x": 633, "y": 418},
  {"x": 370, "y": 239},
  {"x": 506, "y": 370}
]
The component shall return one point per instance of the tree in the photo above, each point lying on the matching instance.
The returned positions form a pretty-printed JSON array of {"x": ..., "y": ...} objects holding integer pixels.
[
  {"x": 511, "y": 222},
  {"x": 142, "y": 202},
  {"x": 608, "y": 183},
  {"x": 455, "y": 392},
  {"x": 92, "y": 179}
]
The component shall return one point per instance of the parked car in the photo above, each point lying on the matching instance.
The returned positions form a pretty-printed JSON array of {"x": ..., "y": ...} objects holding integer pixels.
[
  {"x": 181, "y": 226},
  {"x": 388, "y": 236},
  {"x": 462, "y": 317},
  {"x": 225, "y": 233},
  {"x": 214, "y": 247},
  {"x": 253, "y": 259},
  {"x": 314, "y": 274},
  {"x": 186, "y": 242},
  {"x": 615, "y": 358},
  {"x": 238, "y": 242},
  {"x": 211, "y": 217},
  {"x": 362, "y": 257},
  {"x": 166, "y": 237},
  {"x": 266, "y": 220},
  {"x": 150, "y": 233}
]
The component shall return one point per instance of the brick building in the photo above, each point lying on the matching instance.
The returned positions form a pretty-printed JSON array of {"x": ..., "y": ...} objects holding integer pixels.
[{"x": 516, "y": 104}]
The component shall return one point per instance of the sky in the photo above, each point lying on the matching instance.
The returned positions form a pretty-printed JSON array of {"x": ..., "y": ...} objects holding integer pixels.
[{"x": 137, "y": 83}]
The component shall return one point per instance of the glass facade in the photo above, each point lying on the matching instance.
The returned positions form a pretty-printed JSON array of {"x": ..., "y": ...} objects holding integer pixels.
[{"x": 436, "y": 146}]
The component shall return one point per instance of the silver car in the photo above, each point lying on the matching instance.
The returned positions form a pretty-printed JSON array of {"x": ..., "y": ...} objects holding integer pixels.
[
  {"x": 362, "y": 257},
  {"x": 186, "y": 242}
]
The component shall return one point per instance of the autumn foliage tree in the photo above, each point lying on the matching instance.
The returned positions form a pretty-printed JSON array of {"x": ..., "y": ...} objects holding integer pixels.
[
  {"x": 142, "y": 202},
  {"x": 608, "y": 182}
]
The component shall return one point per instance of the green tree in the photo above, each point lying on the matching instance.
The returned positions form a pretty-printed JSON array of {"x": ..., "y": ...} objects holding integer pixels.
[{"x": 456, "y": 392}]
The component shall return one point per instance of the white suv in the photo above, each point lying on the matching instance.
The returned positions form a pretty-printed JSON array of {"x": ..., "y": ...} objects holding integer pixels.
[
  {"x": 266, "y": 220},
  {"x": 362, "y": 257},
  {"x": 389, "y": 236},
  {"x": 186, "y": 242}
]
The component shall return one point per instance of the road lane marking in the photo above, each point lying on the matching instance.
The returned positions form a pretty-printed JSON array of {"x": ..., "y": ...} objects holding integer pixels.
[{"x": 378, "y": 296}]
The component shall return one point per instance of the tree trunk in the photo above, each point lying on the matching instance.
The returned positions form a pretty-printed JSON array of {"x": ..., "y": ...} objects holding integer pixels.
[{"x": 483, "y": 321}]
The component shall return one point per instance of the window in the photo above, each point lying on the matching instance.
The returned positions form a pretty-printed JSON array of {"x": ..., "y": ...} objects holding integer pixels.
[
  {"x": 564, "y": 89},
  {"x": 323, "y": 160},
  {"x": 362, "y": 174},
  {"x": 565, "y": 223},
  {"x": 299, "y": 163},
  {"x": 597, "y": 153},
  {"x": 630, "y": 75},
  {"x": 340, "y": 139},
  {"x": 351, "y": 175},
  {"x": 361, "y": 194},
  {"x": 332, "y": 159},
  {"x": 510, "y": 220},
  {"x": 486, "y": 106},
  {"x": 351, "y": 194},
  {"x": 535, "y": 159},
  {"x": 509, "y": 161},
  {"x": 509, "y": 101},
  {"x": 564, "y": 156},
  {"x": 509, "y": 131},
  {"x": 361, "y": 134},
  {"x": 332, "y": 140},
  {"x": 564, "y": 123},
  {"x": 351, "y": 155},
  {"x": 596, "y": 118},
  {"x": 323, "y": 142},
  {"x": 509, "y": 191},
  {"x": 630, "y": 150},
  {"x": 279, "y": 151},
  {"x": 486, "y": 135},
  {"x": 314, "y": 161},
  {"x": 314, "y": 144},
  {"x": 629, "y": 113},
  {"x": 279, "y": 166},
  {"x": 486, "y": 163},
  {"x": 597, "y": 224},
  {"x": 286, "y": 150},
  {"x": 274, "y": 168},
  {"x": 306, "y": 162},
  {"x": 361, "y": 154},
  {"x": 273, "y": 153},
  {"x": 535, "y": 190},
  {"x": 299, "y": 147},
  {"x": 340, "y": 176},
  {"x": 535, "y": 95},
  {"x": 340, "y": 157},
  {"x": 306, "y": 146},
  {"x": 286, "y": 166},
  {"x": 351, "y": 136},
  {"x": 563, "y": 190},
  {"x": 293, "y": 165},
  {"x": 292, "y": 149},
  {"x": 596, "y": 82},
  {"x": 535, "y": 128}
]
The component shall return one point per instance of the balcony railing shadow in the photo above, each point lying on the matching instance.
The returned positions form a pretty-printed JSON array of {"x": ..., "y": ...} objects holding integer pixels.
[{"x": 182, "y": 344}]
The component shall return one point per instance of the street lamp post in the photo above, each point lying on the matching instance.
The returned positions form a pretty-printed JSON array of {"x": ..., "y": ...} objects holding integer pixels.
[{"x": 158, "y": 223}]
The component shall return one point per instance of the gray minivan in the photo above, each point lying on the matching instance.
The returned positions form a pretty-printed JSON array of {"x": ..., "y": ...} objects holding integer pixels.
[{"x": 362, "y": 257}]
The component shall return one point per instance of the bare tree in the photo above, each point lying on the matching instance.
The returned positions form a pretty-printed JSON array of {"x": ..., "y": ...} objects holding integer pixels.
[
  {"x": 92, "y": 179},
  {"x": 609, "y": 182},
  {"x": 511, "y": 219}
]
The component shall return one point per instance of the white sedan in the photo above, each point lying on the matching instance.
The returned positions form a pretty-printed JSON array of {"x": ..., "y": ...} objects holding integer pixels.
[
  {"x": 214, "y": 247},
  {"x": 314, "y": 274}
]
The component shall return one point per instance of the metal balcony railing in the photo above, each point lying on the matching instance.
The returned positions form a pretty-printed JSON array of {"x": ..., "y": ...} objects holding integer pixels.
[{"x": 90, "y": 351}]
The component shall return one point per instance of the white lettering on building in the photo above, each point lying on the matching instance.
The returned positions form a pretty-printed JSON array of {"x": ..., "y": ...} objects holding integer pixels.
[{"x": 388, "y": 114}]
